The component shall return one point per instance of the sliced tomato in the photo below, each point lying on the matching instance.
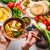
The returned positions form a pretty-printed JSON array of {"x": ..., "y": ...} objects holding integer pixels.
[
  {"x": 11, "y": 5},
  {"x": 18, "y": 5},
  {"x": 45, "y": 22},
  {"x": 48, "y": 28},
  {"x": 24, "y": 11}
]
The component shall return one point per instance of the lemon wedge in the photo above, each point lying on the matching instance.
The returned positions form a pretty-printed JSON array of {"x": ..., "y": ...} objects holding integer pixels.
[
  {"x": 1, "y": 13},
  {"x": 3, "y": 18},
  {"x": 5, "y": 10}
]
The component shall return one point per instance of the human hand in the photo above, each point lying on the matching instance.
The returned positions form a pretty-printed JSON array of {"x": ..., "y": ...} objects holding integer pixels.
[
  {"x": 3, "y": 41},
  {"x": 30, "y": 41}
]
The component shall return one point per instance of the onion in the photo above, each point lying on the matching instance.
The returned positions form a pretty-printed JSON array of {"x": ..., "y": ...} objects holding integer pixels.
[
  {"x": 42, "y": 26},
  {"x": 34, "y": 22}
]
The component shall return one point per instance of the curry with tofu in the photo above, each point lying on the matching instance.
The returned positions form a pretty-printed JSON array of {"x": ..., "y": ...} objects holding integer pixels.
[{"x": 14, "y": 28}]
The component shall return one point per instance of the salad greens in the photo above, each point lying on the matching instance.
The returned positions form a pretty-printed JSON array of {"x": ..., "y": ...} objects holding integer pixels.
[
  {"x": 6, "y": 1},
  {"x": 16, "y": 12}
]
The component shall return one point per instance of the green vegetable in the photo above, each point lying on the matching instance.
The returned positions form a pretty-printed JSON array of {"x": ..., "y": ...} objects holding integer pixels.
[
  {"x": 48, "y": 0},
  {"x": 12, "y": 0},
  {"x": 49, "y": 6},
  {"x": 45, "y": 33},
  {"x": 16, "y": 34},
  {"x": 0, "y": 1},
  {"x": 26, "y": 20},
  {"x": 26, "y": 3},
  {"x": 16, "y": 13},
  {"x": 6, "y": 1}
]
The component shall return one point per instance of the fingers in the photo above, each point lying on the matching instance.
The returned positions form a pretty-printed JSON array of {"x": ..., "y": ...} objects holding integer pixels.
[
  {"x": 30, "y": 40},
  {"x": 33, "y": 41},
  {"x": 24, "y": 35},
  {"x": 2, "y": 39},
  {"x": 0, "y": 27},
  {"x": 34, "y": 33},
  {"x": 26, "y": 44},
  {"x": 29, "y": 36},
  {"x": 2, "y": 31}
]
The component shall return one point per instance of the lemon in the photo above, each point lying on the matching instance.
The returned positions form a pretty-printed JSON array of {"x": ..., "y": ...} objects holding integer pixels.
[
  {"x": 3, "y": 18},
  {"x": 5, "y": 10},
  {"x": 1, "y": 13}
]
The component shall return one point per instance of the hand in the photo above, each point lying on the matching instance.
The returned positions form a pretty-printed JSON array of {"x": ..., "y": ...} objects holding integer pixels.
[
  {"x": 3, "y": 41},
  {"x": 30, "y": 41}
]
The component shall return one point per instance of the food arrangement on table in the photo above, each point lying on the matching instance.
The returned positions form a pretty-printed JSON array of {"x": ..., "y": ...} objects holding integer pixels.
[{"x": 20, "y": 16}]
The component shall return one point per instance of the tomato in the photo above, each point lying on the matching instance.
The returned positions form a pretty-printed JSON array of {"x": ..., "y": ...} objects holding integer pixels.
[
  {"x": 43, "y": 19},
  {"x": 11, "y": 5},
  {"x": 23, "y": 11},
  {"x": 40, "y": 17},
  {"x": 19, "y": 6},
  {"x": 22, "y": 0},
  {"x": 36, "y": 19},
  {"x": 45, "y": 22},
  {"x": 48, "y": 28}
]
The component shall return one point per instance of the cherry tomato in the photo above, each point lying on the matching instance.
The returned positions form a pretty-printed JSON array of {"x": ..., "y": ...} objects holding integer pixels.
[
  {"x": 11, "y": 5},
  {"x": 36, "y": 19},
  {"x": 48, "y": 28},
  {"x": 23, "y": 11},
  {"x": 40, "y": 17},
  {"x": 22, "y": 0},
  {"x": 45, "y": 22},
  {"x": 43, "y": 19},
  {"x": 19, "y": 6}
]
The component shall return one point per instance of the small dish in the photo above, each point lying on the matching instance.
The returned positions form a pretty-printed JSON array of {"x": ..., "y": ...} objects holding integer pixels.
[
  {"x": 5, "y": 11},
  {"x": 13, "y": 19}
]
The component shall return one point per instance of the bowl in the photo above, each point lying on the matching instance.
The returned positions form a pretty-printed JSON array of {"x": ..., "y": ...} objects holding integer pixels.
[
  {"x": 8, "y": 9},
  {"x": 23, "y": 26},
  {"x": 26, "y": 20}
]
